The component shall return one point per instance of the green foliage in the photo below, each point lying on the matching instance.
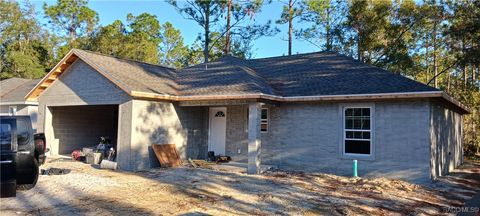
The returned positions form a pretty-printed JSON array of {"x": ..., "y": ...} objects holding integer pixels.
[
  {"x": 369, "y": 21},
  {"x": 432, "y": 42},
  {"x": 25, "y": 48},
  {"x": 143, "y": 39},
  {"x": 110, "y": 39},
  {"x": 72, "y": 16},
  {"x": 242, "y": 31},
  {"x": 172, "y": 50},
  {"x": 326, "y": 18},
  {"x": 289, "y": 13},
  {"x": 205, "y": 13}
]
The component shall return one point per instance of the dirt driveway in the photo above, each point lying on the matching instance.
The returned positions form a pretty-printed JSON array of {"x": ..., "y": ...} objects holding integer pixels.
[{"x": 188, "y": 191}]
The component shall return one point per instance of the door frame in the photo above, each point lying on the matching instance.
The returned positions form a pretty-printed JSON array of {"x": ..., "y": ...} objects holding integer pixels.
[{"x": 210, "y": 127}]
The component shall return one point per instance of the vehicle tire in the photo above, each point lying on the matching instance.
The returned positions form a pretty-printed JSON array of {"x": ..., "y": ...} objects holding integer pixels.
[{"x": 24, "y": 187}]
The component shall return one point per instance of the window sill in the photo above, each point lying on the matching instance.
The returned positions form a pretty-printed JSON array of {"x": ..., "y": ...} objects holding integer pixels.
[{"x": 358, "y": 157}]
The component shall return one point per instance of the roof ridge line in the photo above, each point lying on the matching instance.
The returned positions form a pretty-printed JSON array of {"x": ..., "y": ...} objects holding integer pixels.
[
  {"x": 286, "y": 56},
  {"x": 243, "y": 63},
  {"x": 126, "y": 59}
]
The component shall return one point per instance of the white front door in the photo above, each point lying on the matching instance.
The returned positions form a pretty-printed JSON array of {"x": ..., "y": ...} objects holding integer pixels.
[{"x": 218, "y": 130}]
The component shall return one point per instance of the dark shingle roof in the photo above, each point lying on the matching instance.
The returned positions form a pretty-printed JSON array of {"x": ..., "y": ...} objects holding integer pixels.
[
  {"x": 135, "y": 75},
  {"x": 311, "y": 74},
  {"x": 13, "y": 90},
  {"x": 321, "y": 75},
  {"x": 226, "y": 76},
  {"x": 327, "y": 73}
]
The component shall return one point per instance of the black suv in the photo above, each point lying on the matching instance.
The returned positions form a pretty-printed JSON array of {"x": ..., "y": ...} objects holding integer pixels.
[{"x": 21, "y": 152}]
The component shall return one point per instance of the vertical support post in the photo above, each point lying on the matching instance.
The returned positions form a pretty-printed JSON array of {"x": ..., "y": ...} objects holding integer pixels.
[
  {"x": 124, "y": 136},
  {"x": 254, "y": 139},
  {"x": 52, "y": 143},
  {"x": 355, "y": 166}
]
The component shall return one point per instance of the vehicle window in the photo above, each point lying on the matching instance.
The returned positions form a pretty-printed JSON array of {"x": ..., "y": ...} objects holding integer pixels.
[
  {"x": 23, "y": 135},
  {"x": 5, "y": 134}
]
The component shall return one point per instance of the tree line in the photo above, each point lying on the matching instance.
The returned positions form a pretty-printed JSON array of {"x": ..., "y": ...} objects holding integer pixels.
[{"x": 434, "y": 42}]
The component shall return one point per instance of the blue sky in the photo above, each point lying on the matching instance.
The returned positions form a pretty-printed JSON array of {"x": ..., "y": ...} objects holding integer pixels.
[{"x": 110, "y": 10}]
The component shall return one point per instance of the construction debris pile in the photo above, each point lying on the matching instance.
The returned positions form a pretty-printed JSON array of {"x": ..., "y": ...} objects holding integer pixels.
[{"x": 104, "y": 154}]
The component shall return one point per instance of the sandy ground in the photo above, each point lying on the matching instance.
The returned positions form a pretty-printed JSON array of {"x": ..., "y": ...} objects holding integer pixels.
[{"x": 87, "y": 190}]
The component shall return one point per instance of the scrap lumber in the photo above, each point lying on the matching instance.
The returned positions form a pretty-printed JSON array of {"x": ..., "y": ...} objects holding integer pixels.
[{"x": 167, "y": 155}]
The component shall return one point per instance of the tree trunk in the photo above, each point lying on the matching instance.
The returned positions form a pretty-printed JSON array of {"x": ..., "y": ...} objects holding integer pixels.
[
  {"x": 426, "y": 60},
  {"x": 290, "y": 26},
  {"x": 72, "y": 33},
  {"x": 207, "y": 32},
  {"x": 328, "y": 29},
  {"x": 72, "y": 30},
  {"x": 465, "y": 73},
  {"x": 435, "y": 67},
  {"x": 359, "y": 49},
  {"x": 473, "y": 74},
  {"x": 448, "y": 82},
  {"x": 328, "y": 35},
  {"x": 227, "y": 35}
]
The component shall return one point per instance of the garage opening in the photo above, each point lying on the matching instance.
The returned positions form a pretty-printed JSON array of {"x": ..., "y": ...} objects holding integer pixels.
[{"x": 77, "y": 127}]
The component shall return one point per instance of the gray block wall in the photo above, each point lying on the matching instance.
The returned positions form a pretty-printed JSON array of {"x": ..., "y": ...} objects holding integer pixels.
[
  {"x": 308, "y": 137},
  {"x": 194, "y": 120},
  {"x": 236, "y": 140},
  {"x": 76, "y": 127},
  {"x": 447, "y": 140},
  {"x": 79, "y": 85},
  {"x": 165, "y": 123},
  {"x": 304, "y": 136}
]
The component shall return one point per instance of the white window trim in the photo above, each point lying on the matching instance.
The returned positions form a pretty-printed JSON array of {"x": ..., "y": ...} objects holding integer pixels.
[
  {"x": 262, "y": 121},
  {"x": 344, "y": 155}
]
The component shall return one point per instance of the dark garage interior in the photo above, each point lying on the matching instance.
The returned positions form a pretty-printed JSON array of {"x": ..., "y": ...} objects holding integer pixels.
[{"x": 76, "y": 127}]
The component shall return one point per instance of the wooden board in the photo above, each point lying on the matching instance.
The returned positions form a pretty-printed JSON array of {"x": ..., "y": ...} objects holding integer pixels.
[{"x": 167, "y": 155}]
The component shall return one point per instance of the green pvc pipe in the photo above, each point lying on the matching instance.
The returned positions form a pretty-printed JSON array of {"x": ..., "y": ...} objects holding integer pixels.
[{"x": 355, "y": 166}]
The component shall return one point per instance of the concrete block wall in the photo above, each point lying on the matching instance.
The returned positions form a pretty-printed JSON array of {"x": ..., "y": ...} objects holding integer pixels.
[
  {"x": 79, "y": 85},
  {"x": 76, "y": 127},
  {"x": 309, "y": 137},
  {"x": 236, "y": 143},
  {"x": 447, "y": 140},
  {"x": 153, "y": 123},
  {"x": 165, "y": 123},
  {"x": 124, "y": 133},
  {"x": 194, "y": 120}
]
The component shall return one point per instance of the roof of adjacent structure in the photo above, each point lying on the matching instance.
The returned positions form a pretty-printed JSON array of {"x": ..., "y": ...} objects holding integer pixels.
[
  {"x": 311, "y": 76},
  {"x": 13, "y": 90}
]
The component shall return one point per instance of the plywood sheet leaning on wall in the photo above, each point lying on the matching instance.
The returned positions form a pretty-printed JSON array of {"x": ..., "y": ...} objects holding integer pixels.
[{"x": 167, "y": 155}]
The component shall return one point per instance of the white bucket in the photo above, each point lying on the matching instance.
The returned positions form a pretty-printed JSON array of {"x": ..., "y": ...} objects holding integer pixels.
[{"x": 106, "y": 164}]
